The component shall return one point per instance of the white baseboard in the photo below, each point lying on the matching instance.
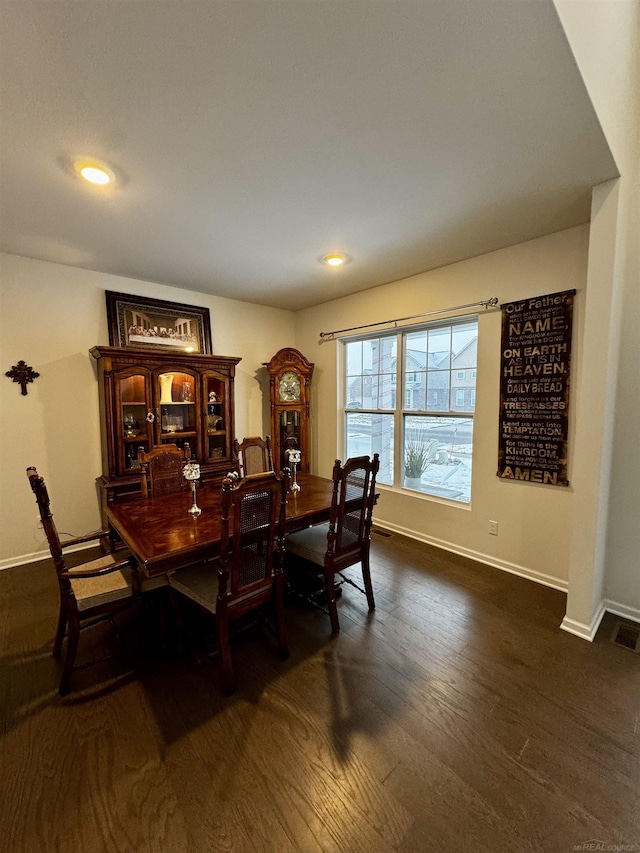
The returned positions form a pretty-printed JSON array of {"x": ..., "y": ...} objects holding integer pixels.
[
  {"x": 36, "y": 556},
  {"x": 582, "y": 629},
  {"x": 588, "y": 632},
  {"x": 503, "y": 565},
  {"x": 631, "y": 613}
]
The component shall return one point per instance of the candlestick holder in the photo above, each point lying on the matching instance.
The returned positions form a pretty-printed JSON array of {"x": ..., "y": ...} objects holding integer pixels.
[
  {"x": 294, "y": 457},
  {"x": 191, "y": 473}
]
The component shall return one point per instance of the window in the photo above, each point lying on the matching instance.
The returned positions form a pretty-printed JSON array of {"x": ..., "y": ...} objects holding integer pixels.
[{"x": 427, "y": 445}]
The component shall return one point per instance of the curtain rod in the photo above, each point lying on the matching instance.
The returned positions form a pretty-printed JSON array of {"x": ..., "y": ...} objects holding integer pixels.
[{"x": 486, "y": 303}]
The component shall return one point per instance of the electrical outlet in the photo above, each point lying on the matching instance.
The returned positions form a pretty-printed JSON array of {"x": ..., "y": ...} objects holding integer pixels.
[{"x": 493, "y": 528}]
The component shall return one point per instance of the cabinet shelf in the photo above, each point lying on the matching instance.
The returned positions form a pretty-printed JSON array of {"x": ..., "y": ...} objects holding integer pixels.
[{"x": 179, "y": 403}]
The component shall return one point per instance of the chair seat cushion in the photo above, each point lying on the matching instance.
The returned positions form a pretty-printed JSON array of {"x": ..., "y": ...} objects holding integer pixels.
[
  {"x": 199, "y": 583},
  {"x": 90, "y": 592},
  {"x": 115, "y": 586},
  {"x": 149, "y": 584},
  {"x": 309, "y": 544}
]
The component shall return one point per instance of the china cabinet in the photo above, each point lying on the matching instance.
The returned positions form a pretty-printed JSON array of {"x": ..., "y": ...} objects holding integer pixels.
[
  {"x": 290, "y": 380},
  {"x": 149, "y": 398}
]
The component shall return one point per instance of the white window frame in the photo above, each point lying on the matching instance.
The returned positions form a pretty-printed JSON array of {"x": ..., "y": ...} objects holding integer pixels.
[{"x": 399, "y": 413}]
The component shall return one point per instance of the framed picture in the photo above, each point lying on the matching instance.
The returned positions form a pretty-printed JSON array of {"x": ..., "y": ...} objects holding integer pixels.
[{"x": 137, "y": 321}]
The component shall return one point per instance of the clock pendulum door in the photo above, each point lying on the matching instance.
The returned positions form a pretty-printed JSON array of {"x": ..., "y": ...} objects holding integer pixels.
[{"x": 289, "y": 431}]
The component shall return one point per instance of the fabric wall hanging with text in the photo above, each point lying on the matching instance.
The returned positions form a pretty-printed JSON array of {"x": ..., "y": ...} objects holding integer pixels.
[{"x": 534, "y": 388}]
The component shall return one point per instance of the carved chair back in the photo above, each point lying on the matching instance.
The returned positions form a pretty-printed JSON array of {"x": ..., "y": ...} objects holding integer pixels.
[
  {"x": 48, "y": 525},
  {"x": 352, "y": 502},
  {"x": 253, "y": 455},
  {"x": 161, "y": 469},
  {"x": 252, "y": 534}
]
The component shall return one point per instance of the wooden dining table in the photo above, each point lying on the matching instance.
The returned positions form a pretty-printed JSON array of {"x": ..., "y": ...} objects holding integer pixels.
[{"x": 163, "y": 535}]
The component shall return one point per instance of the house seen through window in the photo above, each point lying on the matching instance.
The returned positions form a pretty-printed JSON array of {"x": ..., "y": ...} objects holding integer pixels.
[{"x": 410, "y": 396}]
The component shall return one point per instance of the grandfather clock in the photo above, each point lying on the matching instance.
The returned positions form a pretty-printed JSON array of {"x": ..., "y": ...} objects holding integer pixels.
[{"x": 290, "y": 379}]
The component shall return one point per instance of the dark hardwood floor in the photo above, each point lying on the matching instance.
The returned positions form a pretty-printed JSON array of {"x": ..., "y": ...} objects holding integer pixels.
[{"x": 456, "y": 717}]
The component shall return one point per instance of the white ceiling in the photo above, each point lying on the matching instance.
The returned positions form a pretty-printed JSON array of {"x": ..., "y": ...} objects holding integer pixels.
[{"x": 252, "y": 138}]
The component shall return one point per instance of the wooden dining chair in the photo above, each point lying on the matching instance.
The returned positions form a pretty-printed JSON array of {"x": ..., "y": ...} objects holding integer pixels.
[
  {"x": 89, "y": 593},
  {"x": 345, "y": 540},
  {"x": 247, "y": 575},
  {"x": 161, "y": 469},
  {"x": 253, "y": 455}
]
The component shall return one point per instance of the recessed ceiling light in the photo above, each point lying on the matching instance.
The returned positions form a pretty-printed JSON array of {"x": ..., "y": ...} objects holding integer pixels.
[
  {"x": 95, "y": 173},
  {"x": 334, "y": 260}
]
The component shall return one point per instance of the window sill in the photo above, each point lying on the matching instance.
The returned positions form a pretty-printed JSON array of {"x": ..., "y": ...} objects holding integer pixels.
[{"x": 423, "y": 496}]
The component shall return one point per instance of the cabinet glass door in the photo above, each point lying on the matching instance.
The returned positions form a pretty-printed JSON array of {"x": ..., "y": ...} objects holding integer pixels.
[
  {"x": 176, "y": 423},
  {"x": 133, "y": 428},
  {"x": 217, "y": 439}
]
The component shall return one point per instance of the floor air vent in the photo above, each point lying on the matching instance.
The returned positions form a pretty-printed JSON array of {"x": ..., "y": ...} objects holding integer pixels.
[
  {"x": 382, "y": 533},
  {"x": 627, "y": 635}
]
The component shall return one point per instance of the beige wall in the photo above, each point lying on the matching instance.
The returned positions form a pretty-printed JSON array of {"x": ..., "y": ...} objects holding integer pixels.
[
  {"x": 534, "y": 521},
  {"x": 50, "y": 316}
]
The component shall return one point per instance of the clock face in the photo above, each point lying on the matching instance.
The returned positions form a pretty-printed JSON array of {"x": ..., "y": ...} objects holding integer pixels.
[{"x": 289, "y": 387}]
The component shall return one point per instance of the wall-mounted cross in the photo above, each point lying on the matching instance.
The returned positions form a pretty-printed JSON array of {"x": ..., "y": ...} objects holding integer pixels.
[{"x": 23, "y": 374}]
